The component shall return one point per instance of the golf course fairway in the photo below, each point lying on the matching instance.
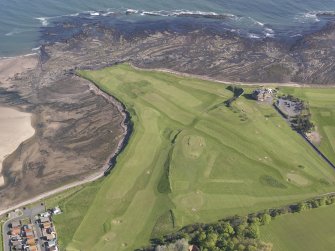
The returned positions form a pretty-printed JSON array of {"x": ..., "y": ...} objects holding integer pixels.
[{"x": 190, "y": 159}]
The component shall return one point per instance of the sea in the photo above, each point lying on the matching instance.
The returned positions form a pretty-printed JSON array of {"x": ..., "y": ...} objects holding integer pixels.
[{"x": 22, "y": 21}]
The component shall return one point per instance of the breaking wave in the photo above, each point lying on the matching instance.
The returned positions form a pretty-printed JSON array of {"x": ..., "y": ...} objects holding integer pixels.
[
  {"x": 44, "y": 20},
  {"x": 180, "y": 13},
  {"x": 13, "y": 32}
]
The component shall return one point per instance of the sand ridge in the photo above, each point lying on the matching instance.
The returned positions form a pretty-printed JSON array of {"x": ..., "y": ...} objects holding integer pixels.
[{"x": 15, "y": 127}]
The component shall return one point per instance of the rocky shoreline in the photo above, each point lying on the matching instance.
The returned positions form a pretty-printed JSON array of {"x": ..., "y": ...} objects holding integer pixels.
[{"x": 197, "y": 48}]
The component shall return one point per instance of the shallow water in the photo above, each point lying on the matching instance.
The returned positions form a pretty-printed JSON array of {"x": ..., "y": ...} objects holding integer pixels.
[{"x": 21, "y": 19}]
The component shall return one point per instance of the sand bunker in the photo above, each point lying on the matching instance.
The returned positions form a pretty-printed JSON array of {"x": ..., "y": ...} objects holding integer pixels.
[
  {"x": 9, "y": 67},
  {"x": 15, "y": 127}
]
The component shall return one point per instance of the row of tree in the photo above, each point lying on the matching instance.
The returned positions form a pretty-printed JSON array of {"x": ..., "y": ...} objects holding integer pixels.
[{"x": 234, "y": 233}]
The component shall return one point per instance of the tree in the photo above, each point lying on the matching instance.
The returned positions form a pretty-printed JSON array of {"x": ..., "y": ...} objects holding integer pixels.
[
  {"x": 322, "y": 201},
  {"x": 302, "y": 206},
  {"x": 265, "y": 219},
  {"x": 228, "y": 229},
  {"x": 211, "y": 240},
  {"x": 240, "y": 247},
  {"x": 253, "y": 231}
]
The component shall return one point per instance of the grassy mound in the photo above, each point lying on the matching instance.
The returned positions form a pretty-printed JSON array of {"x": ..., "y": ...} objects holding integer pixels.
[{"x": 191, "y": 155}]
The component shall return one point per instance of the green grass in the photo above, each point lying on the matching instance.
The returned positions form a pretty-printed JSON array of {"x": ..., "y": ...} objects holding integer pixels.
[
  {"x": 322, "y": 105},
  {"x": 191, "y": 155},
  {"x": 307, "y": 231}
]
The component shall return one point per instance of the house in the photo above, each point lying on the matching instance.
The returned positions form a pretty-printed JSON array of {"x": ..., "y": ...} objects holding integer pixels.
[
  {"x": 19, "y": 247},
  {"x": 50, "y": 237},
  {"x": 52, "y": 243},
  {"x": 44, "y": 232},
  {"x": 16, "y": 224},
  {"x": 16, "y": 245},
  {"x": 46, "y": 225},
  {"x": 56, "y": 210},
  {"x": 30, "y": 234},
  {"x": 44, "y": 219},
  {"x": 31, "y": 242},
  {"x": 33, "y": 248},
  {"x": 45, "y": 215},
  {"x": 263, "y": 94},
  {"x": 16, "y": 231},
  {"x": 55, "y": 248}
]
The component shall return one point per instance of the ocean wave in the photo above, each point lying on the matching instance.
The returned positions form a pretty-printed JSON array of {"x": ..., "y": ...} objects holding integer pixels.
[
  {"x": 94, "y": 13},
  {"x": 44, "y": 20},
  {"x": 13, "y": 32},
  {"x": 308, "y": 17},
  {"x": 107, "y": 13},
  {"x": 180, "y": 13},
  {"x": 73, "y": 14},
  {"x": 36, "y": 48},
  {"x": 256, "y": 22},
  {"x": 269, "y": 35},
  {"x": 325, "y": 13},
  {"x": 254, "y": 36},
  {"x": 269, "y": 30}
]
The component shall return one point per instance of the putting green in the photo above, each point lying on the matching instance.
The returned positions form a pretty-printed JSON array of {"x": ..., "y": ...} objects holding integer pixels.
[{"x": 191, "y": 159}]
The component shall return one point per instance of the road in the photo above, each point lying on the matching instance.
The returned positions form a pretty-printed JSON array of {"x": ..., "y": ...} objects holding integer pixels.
[{"x": 53, "y": 192}]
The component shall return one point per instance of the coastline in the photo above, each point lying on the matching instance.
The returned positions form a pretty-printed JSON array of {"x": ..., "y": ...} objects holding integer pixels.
[
  {"x": 110, "y": 162},
  {"x": 15, "y": 128},
  {"x": 58, "y": 70},
  {"x": 111, "y": 159}
]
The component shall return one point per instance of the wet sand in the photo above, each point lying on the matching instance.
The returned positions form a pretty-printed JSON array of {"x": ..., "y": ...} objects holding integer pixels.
[
  {"x": 10, "y": 67},
  {"x": 15, "y": 127}
]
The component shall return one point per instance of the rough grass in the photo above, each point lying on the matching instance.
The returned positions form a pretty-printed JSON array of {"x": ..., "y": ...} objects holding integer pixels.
[
  {"x": 164, "y": 225},
  {"x": 74, "y": 203},
  {"x": 307, "y": 231},
  {"x": 221, "y": 161}
]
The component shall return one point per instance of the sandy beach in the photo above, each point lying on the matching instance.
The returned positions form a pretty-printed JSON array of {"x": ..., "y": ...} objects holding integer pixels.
[
  {"x": 9, "y": 67},
  {"x": 15, "y": 127}
]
